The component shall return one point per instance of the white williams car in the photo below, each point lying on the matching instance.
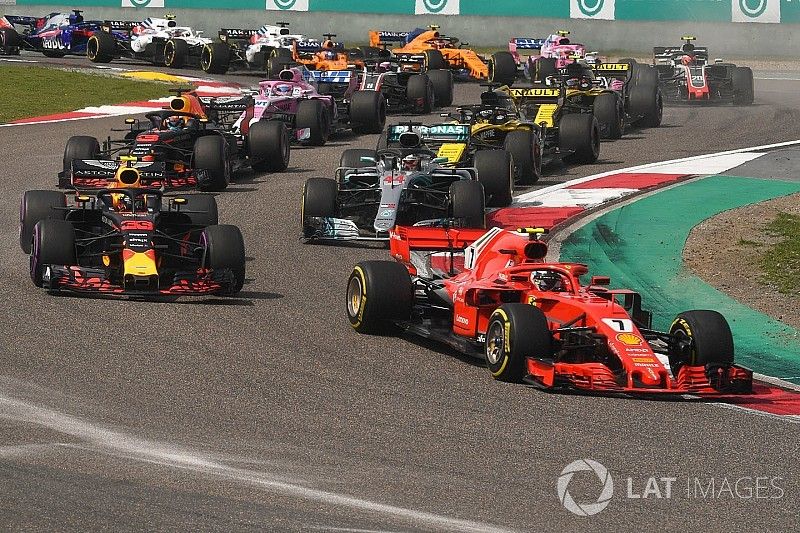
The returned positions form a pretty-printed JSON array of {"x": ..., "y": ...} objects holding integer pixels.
[
  {"x": 268, "y": 48},
  {"x": 156, "y": 40}
]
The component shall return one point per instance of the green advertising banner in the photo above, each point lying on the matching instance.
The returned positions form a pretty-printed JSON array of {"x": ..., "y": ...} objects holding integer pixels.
[{"x": 557, "y": 9}]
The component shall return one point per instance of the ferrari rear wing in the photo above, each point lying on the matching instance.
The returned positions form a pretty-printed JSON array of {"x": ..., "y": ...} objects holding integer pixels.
[{"x": 404, "y": 239}]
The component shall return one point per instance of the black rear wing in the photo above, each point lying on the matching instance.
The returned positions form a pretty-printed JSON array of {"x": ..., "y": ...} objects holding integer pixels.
[
  {"x": 236, "y": 34},
  {"x": 125, "y": 26},
  {"x": 612, "y": 70},
  {"x": 17, "y": 20},
  {"x": 537, "y": 95},
  {"x": 665, "y": 54}
]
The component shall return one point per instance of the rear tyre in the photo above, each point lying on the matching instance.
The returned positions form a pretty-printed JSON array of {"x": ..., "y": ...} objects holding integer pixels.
[
  {"x": 53, "y": 244},
  {"x": 378, "y": 293},
  {"x": 313, "y": 114},
  {"x": 502, "y": 68},
  {"x": 36, "y": 206},
  {"x": 211, "y": 155},
  {"x": 579, "y": 137},
  {"x": 224, "y": 247},
  {"x": 526, "y": 152},
  {"x": 9, "y": 41},
  {"x": 175, "y": 53},
  {"x": 610, "y": 115},
  {"x": 647, "y": 103},
  {"x": 496, "y": 173},
  {"x": 215, "y": 58},
  {"x": 442, "y": 81},
  {"x": 545, "y": 66},
  {"x": 268, "y": 146},
  {"x": 80, "y": 147},
  {"x": 743, "y": 90},
  {"x": 367, "y": 112},
  {"x": 516, "y": 331},
  {"x": 101, "y": 47},
  {"x": 710, "y": 337},
  {"x": 204, "y": 209},
  {"x": 434, "y": 60},
  {"x": 351, "y": 158},
  {"x": 319, "y": 200},
  {"x": 467, "y": 203},
  {"x": 420, "y": 91}
]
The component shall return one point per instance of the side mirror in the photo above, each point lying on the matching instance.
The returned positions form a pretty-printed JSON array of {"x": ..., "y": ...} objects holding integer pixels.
[
  {"x": 439, "y": 160},
  {"x": 600, "y": 280}
]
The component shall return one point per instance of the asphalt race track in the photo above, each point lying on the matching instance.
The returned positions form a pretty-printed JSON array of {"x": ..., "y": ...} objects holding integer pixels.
[{"x": 267, "y": 412}]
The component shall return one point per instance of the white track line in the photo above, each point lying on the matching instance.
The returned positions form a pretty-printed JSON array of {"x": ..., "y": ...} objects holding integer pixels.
[{"x": 118, "y": 443}]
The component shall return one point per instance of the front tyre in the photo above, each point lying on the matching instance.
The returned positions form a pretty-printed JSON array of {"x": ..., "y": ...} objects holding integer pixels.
[
  {"x": 378, "y": 293},
  {"x": 53, "y": 244},
  {"x": 224, "y": 249},
  {"x": 516, "y": 331},
  {"x": 708, "y": 337}
]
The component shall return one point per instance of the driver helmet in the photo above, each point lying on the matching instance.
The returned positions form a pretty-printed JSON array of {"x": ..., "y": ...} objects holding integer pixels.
[
  {"x": 330, "y": 55},
  {"x": 173, "y": 123},
  {"x": 121, "y": 203},
  {"x": 412, "y": 162},
  {"x": 687, "y": 59},
  {"x": 547, "y": 280},
  {"x": 490, "y": 98},
  {"x": 75, "y": 18},
  {"x": 282, "y": 89}
]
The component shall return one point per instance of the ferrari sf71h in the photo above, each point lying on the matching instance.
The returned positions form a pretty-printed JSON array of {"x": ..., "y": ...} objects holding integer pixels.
[{"x": 492, "y": 295}]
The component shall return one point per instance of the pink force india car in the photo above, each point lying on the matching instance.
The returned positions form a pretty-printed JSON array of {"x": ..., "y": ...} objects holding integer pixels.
[
  {"x": 555, "y": 53},
  {"x": 316, "y": 104}
]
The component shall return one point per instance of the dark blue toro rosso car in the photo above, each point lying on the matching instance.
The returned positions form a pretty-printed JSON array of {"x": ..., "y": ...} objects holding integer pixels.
[{"x": 54, "y": 35}]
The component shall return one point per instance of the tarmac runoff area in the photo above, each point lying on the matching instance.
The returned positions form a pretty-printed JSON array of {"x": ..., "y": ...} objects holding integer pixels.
[{"x": 657, "y": 226}]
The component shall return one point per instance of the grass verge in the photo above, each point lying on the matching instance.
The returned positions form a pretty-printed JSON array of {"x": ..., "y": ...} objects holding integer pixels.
[
  {"x": 30, "y": 91},
  {"x": 781, "y": 263}
]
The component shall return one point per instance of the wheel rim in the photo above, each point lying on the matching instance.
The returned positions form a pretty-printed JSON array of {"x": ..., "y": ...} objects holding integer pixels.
[
  {"x": 169, "y": 53},
  {"x": 355, "y": 296},
  {"x": 205, "y": 59},
  {"x": 495, "y": 342},
  {"x": 91, "y": 48}
]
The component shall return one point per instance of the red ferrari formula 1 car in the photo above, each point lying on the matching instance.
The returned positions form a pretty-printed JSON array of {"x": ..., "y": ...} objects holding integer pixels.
[{"x": 490, "y": 294}]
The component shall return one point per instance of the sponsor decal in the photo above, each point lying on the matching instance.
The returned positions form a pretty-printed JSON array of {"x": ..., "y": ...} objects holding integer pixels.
[
  {"x": 631, "y": 339},
  {"x": 764, "y": 11},
  {"x": 287, "y": 5},
  {"x": 592, "y": 9},
  {"x": 612, "y": 66},
  {"x": 143, "y": 3},
  {"x": 436, "y": 7},
  {"x": 462, "y": 320},
  {"x": 516, "y": 93}
]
